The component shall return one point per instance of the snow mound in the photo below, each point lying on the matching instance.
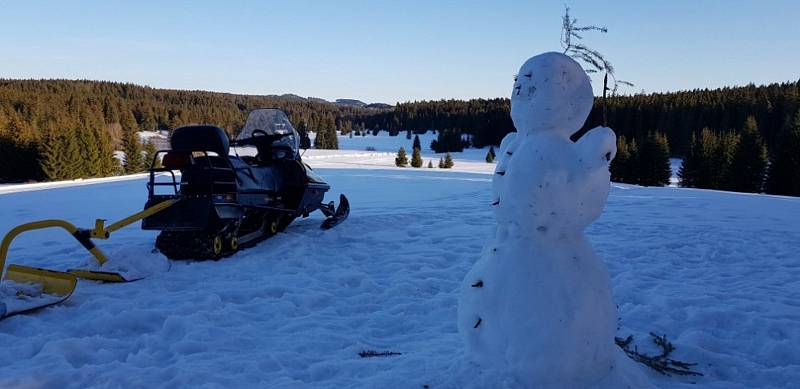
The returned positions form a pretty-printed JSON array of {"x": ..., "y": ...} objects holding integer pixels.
[{"x": 132, "y": 262}]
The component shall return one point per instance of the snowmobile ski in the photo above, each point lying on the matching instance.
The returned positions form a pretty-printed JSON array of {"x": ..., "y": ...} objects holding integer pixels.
[{"x": 337, "y": 216}]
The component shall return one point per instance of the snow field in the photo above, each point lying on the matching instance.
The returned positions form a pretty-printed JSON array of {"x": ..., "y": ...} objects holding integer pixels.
[{"x": 717, "y": 272}]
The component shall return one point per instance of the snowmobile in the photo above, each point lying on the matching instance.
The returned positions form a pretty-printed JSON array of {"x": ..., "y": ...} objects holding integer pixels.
[
  {"x": 220, "y": 204},
  {"x": 225, "y": 202}
]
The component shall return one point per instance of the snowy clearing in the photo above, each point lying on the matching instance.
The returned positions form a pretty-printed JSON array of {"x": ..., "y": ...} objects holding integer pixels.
[{"x": 718, "y": 273}]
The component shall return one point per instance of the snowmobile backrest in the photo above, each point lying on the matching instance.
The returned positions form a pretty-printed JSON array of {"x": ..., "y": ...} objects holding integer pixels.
[{"x": 200, "y": 138}]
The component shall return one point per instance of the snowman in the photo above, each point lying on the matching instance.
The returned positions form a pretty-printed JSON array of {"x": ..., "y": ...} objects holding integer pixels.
[{"x": 536, "y": 308}]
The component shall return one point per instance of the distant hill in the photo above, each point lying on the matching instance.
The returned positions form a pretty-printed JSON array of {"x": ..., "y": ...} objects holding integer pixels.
[{"x": 351, "y": 103}]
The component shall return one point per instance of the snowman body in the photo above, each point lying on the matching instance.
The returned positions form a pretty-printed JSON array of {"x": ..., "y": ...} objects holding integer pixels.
[{"x": 537, "y": 305}]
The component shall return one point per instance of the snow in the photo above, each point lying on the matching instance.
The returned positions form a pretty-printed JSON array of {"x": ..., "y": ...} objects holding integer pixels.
[
  {"x": 717, "y": 272},
  {"x": 536, "y": 309},
  {"x": 675, "y": 166}
]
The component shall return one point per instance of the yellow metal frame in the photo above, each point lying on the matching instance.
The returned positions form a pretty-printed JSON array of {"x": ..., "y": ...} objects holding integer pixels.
[{"x": 100, "y": 231}]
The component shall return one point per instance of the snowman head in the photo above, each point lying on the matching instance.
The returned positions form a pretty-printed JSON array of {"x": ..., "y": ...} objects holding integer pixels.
[{"x": 551, "y": 93}]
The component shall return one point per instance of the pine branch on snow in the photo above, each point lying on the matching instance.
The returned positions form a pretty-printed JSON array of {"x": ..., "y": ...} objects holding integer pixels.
[
  {"x": 373, "y": 353},
  {"x": 661, "y": 363}
]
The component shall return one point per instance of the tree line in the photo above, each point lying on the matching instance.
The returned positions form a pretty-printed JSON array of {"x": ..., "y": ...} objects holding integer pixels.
[
  {"x": 651, "y": 128},
  {"x": 59, "y": 129},
  {"x": 55, "y": 129}
]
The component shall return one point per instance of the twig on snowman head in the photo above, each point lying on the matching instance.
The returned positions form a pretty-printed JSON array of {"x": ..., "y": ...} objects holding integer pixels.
[{"x": 597, "y": 63}]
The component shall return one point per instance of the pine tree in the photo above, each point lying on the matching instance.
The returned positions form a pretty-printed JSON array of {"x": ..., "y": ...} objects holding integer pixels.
[
  {"x": 305, "y": 140},
  {"x": 321, "y": 140},
  {"x": 490, "y": 156},
  {"x": 92, "y": 165},
  {"x": 417, "y": 144},
  {"x": 416, "y": 158},
  {"x": 150, "y": 155},
  {"x": 132, "y": 147},
  {"x": 51, "y": 156},
  {"x": 449, "y": 140},
  {"x": 689, "y": 172},
  {"x": 707, "y": 155},
  {"x": 653, "y": 166},
  {"x": 708, "y": 160},
  {"x": 620, "y": 164},
  {"x": 109, "y": 164},
  {"x": 334, "y": 140},
  {"x": 748, "y": 168},
  {"x": 728, "y": 142},
  {"x": 632, "y": 170},
  {"x": 784, "y": 171},
  {"x": 402, "y": 158},
  {"x": 448, "y": 161},
  {"x": 430, "y": 164},
  {"x": 441, "y": 163},
  {"x": 326, "y": 135},
  {"x": 73, "y": 158}
]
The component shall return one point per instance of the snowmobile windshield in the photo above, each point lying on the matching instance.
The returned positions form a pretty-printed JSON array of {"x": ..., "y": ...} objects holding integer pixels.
[{"x": 272, "y": 122}]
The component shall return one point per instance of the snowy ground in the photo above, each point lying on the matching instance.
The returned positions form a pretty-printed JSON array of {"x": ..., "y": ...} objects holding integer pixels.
[{"x": 718, "y": 273}]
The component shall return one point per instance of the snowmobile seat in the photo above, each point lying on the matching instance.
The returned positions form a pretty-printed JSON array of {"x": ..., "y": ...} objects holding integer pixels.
[{"x": 200, "y": 138}]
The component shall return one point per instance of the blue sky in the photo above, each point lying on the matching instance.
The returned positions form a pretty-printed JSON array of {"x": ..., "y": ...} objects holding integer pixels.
[{"x": 389, "y": 51}]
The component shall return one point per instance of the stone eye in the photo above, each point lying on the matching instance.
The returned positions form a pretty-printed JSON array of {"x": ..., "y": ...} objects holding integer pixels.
[{"x": 529, "y": 75}]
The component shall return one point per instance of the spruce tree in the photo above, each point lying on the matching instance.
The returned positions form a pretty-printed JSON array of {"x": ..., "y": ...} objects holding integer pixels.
[
  {"x": 653, "y": 164},
  {"x": 326, "y": 135},
  {"x": 73, "y": 158},
  {"x": 416, "y": 158},
  {"x": 619, "y": 165},
  {"x": 430, "y": 164},
  {"x": 784, "y": 171},
  {"x": 441, "y": 163},
  {"x": 333, "y": 142},
  {"x": 417, "y": 144},
  {"x": 448, "y": 161},
  {"x": 749, "y": 164},
  {"x": 632, "y": 170},
  {"x": 489, "y": 156},
  {"x": 305, "y": 140},
  {"x": 51, "y": 156},
  {"x": 149, "y": 155},
  {"x": 402, "y": 158},
  {"x": 690, "y": 168},
  {"x": 709, "y": 160},
  {"x": 92, "y": 159},
  {"x": 321, "y": 140},
  {"x": 109, "y": 163},
  {"x": 132, "y": 147},
  {"x": 728, "y": 142}
]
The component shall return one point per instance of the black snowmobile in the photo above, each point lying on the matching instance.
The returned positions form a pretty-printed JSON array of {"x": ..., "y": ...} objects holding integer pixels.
[{"x": 226, "y": 202}]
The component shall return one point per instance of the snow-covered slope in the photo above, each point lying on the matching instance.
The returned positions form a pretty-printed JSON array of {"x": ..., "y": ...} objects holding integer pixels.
[{"x": 717, "y": 272}]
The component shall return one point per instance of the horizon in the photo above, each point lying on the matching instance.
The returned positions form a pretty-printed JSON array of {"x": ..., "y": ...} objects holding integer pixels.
[
  {"x": 379, "y": 102},
  {"x": 390, "y": 53}
]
